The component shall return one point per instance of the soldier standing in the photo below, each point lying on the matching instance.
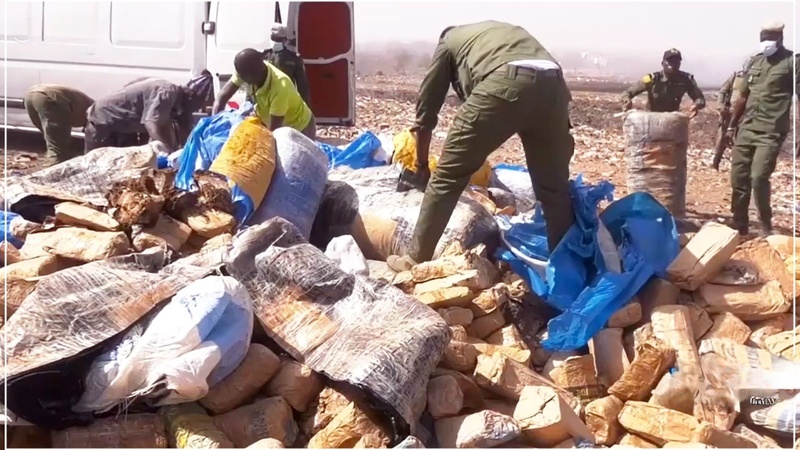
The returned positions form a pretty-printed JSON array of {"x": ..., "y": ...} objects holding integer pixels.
[
  {"x": 55, "y": 110},
  {"x": 760, "y": 124},
  {"x": 728, "y": 94},
  {"x": 510, "y": 84},
  {"x": 287, "y": 61},
  {"x": 666, "y": 88}
]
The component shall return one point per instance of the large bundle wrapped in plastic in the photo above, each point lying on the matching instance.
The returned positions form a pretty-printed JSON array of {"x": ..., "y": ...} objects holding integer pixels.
[
  {"x": 656, "y": 157},
  {"x": 350, "y": 328},
  {"x": 87, "y": 178},
  {"x": 298, "y": 182},
  {"x": 386, "y": 220},
  {"x": 196, "y": 340},
  {"x": 248, "y": 160},
  {"x": 73, "y": 311}
]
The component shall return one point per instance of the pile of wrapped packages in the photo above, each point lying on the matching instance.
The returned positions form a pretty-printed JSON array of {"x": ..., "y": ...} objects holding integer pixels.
[{"x": 239, "y": 298}]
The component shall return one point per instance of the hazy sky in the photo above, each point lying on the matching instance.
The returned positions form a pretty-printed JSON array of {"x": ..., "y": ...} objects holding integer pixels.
[{"x": 649, "y": 27}]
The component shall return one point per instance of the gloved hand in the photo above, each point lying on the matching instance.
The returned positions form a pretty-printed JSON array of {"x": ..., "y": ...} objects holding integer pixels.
[
  {"x": 411, "y": 180},
  {"x": 627, "y": 105}
]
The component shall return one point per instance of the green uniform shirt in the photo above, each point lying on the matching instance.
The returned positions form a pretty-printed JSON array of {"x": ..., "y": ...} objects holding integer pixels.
[
  {"x": 78, "y": 102},
  {"x": 466, "y": 55},
  {"x": 768, "y": 85},
  {"x": 292, "y": 65},
  {"x": 665, "y": 95}
]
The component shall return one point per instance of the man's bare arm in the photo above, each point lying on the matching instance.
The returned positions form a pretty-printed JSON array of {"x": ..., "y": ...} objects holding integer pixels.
[
  {"x": 224, "y": 95},
  {"x": 275, "y": 122}
]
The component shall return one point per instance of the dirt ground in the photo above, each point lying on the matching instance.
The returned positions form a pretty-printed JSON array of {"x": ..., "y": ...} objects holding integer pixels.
[{"x": 385, "y": 104}]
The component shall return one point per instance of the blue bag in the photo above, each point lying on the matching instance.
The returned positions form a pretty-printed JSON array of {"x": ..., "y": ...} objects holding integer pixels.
[{"x": 7, "y": 236}]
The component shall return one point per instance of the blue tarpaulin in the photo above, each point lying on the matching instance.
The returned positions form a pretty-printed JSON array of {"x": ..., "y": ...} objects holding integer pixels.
[
  {"x": 359, "y": 154},
  {"x": 578, "y": 280},
  {"x": 7, "y": 236}
]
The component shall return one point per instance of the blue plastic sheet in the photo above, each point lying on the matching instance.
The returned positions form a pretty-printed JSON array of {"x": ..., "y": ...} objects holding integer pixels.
[
  {"x": 202, "y": 148},
  {"x": 577, "y": 281},
  {"x": 357, "y": 155},
  {"x": 7, "y": 236}
]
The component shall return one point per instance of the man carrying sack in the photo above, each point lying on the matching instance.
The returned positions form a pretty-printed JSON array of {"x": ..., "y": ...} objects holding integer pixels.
[
  {"x": 759, "y": 126},
  {"x": 509, "y": 84}
]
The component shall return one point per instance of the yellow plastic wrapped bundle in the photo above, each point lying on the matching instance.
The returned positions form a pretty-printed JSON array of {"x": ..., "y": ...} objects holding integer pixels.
[
  {"x": 189, "y": 426},
  {"x": 405, "y": 153},
  {"x": 248, "y": 159},
  {"x": 793, "y": 266}
]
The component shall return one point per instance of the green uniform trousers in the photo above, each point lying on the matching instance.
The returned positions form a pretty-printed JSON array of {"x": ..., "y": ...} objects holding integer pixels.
[
  {"x": 755, "y": 155},
  {"x": 52, "y": 115},
  {"x": 511, "y": 100}
]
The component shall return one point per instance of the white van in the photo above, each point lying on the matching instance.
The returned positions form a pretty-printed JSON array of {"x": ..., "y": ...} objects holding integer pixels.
[{"x": 99, "y": 46}]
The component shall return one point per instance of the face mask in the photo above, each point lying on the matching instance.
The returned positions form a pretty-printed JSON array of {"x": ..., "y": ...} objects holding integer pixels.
[
  {"x": 277, "y": 46},
  {"x": 769, "y": 47}
]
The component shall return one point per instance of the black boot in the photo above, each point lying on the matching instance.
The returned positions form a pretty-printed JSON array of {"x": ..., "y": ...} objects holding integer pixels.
[
  {"x": 765, "y": 228},
  {"x": 742, "y": 227}
]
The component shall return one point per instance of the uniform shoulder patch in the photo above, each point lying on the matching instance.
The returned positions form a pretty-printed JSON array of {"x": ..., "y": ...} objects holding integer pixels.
[{"x": 647, "y": 78}]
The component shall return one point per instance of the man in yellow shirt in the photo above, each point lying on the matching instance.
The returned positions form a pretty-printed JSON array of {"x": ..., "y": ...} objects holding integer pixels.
[{"x": 278, "y": 104}]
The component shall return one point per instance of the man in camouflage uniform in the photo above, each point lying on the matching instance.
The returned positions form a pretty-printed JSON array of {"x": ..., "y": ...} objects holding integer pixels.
[
  {"x": 728, "y": 94},
  {"x": 510, "y": 84},
  {"x": 666, "y": 88},
  {"x": 55, "y": 110},
  {"x": 287, "y": 61},
  {"x": 759, "y": 125}
]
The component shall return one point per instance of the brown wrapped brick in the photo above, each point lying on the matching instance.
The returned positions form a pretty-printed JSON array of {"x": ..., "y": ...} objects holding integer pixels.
[
  {"x": 482, "y": 429},
  {"x": 455, "y": 316},
  {"x": 601, "y": 418},
  {"x": 458, "y": 333},
  {"x": 489, "y": 300},
  {"x": 21, "y": 228},
  {"x": 508, "y": 336},
  {"x": 506, "y": 377},
  {"x": 459, "y": 296},
  {"x": 786, "y": 246},
  {"x": 36, "y": 267},
  {"x": 760, "y": 440},
  {"x": 608, "y": 354},
  {"x": 677, "y": 392},
  {"x": 460, "y": 356},
  {"x": 472, "y": 393},
  {"x": 461, "y": 279},
  {"x": 655, "y": 293},
  {"x": 747, "y": 302},
  {"x": 546, "y": 419},
  {"x": 486, "y": 325},
  {"x": 371, "y": 441},
  {"x": 703, "y": 256},
  {"x": 657, "y": 424},
  {"x": 126, "y": 431},
  {"x": 77, "y": 243},
  {"x": 257, "y": 368},
  {"x": 767, "y": 261},
  {"x": 626, "y": 316},
  {"x": 521, "y": 356},
  {"x": 576, "y": 374},
  {"x": 784, "y": 344},
  {"x": 266, "y": 418},
  {"x": 8, "y": 254},
  {"x": 634, "y": 339},
  {"x": 652, "y": 360},
  {"x": 445, "y": 397},
  {"x": 761, "y": 330},
  {"x": 442, "y": 268},
  {"x": 189, "y": 426},
  {"x": 404, "y": 281},
  {"x": 296, "y": 383},
  {"x": 323, "y": 409},
  {"x": 267, "y": 443},
  {"x": 72, "y": 214},
  {"x": 686, "y": 445},
  {"x": 672, "y": 326},
  {"x": 166, "y": 232},
  {"x": 345, "y": 430},
  {"x": 208, "y": 223},
  {"x": 505, "y": 407},
  {"x": 16, "y": 293},
  {"x": 719, "y": 438},
  {"x": 728, "y": 326},
  {"x": 632, "y": 440}
]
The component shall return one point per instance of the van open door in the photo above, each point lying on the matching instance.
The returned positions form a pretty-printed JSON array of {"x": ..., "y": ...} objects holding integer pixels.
[{"x": 326, "y": 42}]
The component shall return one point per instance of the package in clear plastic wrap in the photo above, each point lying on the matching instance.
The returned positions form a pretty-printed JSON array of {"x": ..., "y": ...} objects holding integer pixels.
[
  {"x": 350, "y": 328},
  {"x": 386, "y": 220}
]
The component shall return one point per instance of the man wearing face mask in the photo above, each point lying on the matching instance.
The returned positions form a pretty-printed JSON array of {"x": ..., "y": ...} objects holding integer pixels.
[
  {"x": 509, "y": 84},
  {"x": 759, "y": 126},
  {"x": 666, "y": 88},
  {"x": 287, "y": 61}
]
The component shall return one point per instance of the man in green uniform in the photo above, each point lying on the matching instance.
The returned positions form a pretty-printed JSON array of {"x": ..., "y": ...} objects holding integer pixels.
[
  {"x": 289, "y": 62},
  {"x": 760, "y": 124},
  {"x": 55, "y": 110},
  {"x": 666, "y": 88},
  {"x": 509, "y": 85},
  {"x": 728, "y": 94}
]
